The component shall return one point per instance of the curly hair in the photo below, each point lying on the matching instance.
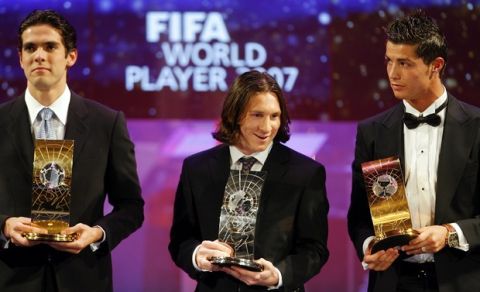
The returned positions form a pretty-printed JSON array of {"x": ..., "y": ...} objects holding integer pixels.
[
  {"x": 243, "y": 89},
  {"x": 420, "y": 30},
  {"x": 55, "y": 20}
]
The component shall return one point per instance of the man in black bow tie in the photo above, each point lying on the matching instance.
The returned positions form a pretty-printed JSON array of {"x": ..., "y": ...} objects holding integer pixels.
[{"x": 437, "y": 139}]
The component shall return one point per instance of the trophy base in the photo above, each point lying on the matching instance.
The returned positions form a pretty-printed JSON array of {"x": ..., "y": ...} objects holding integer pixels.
[
  {"x": 239, "y": 262},
  {"x": 50, "y": 237},
  {"x": 394, "y": 240}
]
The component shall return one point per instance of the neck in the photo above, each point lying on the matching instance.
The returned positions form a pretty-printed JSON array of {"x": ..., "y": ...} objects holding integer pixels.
[
  {"x": 48, "y": 96},
  {"x": 421, "y": 104}
]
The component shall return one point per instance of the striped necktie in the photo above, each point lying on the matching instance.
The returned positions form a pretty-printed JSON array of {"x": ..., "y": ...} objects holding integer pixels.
[{"x": 46, "y": 126}]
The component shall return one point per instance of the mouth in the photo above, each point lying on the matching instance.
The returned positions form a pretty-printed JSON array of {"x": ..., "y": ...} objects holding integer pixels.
[
  {"x": 262, "y": 137},
  {"x": 40, "y": 69},
  {"x": 397, "y": 86}
]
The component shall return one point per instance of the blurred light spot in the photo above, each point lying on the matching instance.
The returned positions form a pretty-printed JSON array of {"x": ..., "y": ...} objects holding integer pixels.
[
  {"x": 363, "y": 70},
  {"x": 86, "y": 71},
  {"x": 11, "y": 92},
  {"x": 152, "y": 111},
  {"x": 383, "y": 84},
  {"x": 350, "y": 24},
  {"x": 451, "y": 83},
  {"x": 98, "y": 58},
  {"x": 324, "y": 18},
  {"x": 7, "y": 53},
  {"x": 67, "y": 5},
  {"x": 106, "y": 5},
  {"x": 323, "y": 59},
  {"x": 468, "y": 76},
  {"x": 338, "y": 39}
]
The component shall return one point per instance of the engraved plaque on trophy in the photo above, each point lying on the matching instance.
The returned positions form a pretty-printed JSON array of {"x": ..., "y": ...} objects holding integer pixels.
[
  {"x": 52, "y": 176},
  {"x": 391, "y": 218},
  {"x": 238, "y": 216}
]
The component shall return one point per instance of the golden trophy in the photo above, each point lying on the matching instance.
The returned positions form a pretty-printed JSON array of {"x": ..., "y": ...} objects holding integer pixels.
[
  {"x": 388, "y": 204},
  {"x": 52, "y": 176}
]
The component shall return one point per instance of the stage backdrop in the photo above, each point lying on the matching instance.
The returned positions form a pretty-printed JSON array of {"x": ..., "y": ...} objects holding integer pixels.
[{"x": 167, "y": 64}]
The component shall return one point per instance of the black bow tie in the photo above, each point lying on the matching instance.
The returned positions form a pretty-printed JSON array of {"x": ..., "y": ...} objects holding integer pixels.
[{"x": 434, "y": 120}]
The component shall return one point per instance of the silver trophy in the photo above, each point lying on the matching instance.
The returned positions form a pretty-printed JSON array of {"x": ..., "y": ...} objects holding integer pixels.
[{"x": 238, "y": 217}]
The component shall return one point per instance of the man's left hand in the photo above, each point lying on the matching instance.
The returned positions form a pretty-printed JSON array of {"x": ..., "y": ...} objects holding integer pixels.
[
  {"x": 86, "y": 235},
  {"x": 430, "y": 240},
  {"x": 268, "y": 277}
]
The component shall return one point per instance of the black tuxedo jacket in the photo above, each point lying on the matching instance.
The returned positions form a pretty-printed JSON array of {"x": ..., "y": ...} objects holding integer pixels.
[
  {"x": 104, "y": 166},
  {"x": 291, "y": 226},
  {"x": 457, "y": 191}
]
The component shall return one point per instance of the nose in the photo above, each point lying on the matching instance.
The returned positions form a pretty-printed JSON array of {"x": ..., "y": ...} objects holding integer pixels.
[
  {"x": 266, "y": 125},
  {"x": 39, "y": 55},
  {"x": 392, "y": 71}
]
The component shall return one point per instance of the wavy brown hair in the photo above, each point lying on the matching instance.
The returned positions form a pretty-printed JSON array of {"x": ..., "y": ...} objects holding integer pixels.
[{"x": 244, "y": 87}]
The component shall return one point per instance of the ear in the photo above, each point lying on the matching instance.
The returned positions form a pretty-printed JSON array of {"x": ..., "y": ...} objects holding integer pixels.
[
  {"x": 438, "y": 64},
  {"x": 72, "y": 58}
]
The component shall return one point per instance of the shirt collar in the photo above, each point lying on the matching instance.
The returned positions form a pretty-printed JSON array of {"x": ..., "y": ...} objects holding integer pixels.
[
  {"x": 59, "y": 106},
  {"x": 431, "y": 109},
  {"x": 236, "y": 154}
]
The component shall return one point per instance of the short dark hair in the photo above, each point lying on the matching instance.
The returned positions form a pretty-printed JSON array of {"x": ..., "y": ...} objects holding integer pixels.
[
  {"x": 244, "y": 87},
  {"x": 421, "y": 30},
  {"x": 55, "y": 20}
]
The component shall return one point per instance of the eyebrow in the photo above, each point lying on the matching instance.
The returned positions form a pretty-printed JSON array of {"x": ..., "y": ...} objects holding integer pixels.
[{"x": 49, "y": 43}]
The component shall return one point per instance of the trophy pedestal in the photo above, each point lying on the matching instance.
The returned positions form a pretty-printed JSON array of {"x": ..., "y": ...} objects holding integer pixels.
[
  {"x": 239, "y": 262},
  {"x": 50, "y": 237},
  {"x": 394, "y": 240},
  {"x": 54, "y": 229}
]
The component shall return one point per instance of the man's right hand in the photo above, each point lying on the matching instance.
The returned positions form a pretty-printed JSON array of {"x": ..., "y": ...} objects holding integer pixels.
[
  {"x": 381, "y": 260},
  {"x": 209, "y": 249},
  {"x": 16, "y": 226}
]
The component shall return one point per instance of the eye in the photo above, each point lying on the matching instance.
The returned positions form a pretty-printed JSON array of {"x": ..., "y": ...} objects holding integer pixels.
[
  {"x": 50, "y": 47},
  {"x": 29, "y": 48}
]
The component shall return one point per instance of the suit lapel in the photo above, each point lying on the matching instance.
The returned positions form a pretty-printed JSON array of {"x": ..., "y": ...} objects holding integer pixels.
[
  {"x": 219, "y": 170},
  {"x": 20, "y": 132},
  {"x": 76, "y": 128},
  {"x": 456, "y": 144},
  {"x": 389, "y": 136},
  {"x": 276, "y": 167}
]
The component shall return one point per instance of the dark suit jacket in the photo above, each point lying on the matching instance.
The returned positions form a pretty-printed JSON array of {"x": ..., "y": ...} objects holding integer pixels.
[
  {"x": 104, "y": 163},
  {"x": 291, "y": 226},
  {"x": 457, "y": 191}
]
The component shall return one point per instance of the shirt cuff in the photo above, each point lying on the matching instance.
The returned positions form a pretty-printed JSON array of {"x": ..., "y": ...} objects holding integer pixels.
[
  {"x": 96, "y": 245},
  {"x": 194, "y": 262},
  {"x": 366, "y": 243},
  {"x": 280, "y": 281},
  {"x": 462, "y": 240}
]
